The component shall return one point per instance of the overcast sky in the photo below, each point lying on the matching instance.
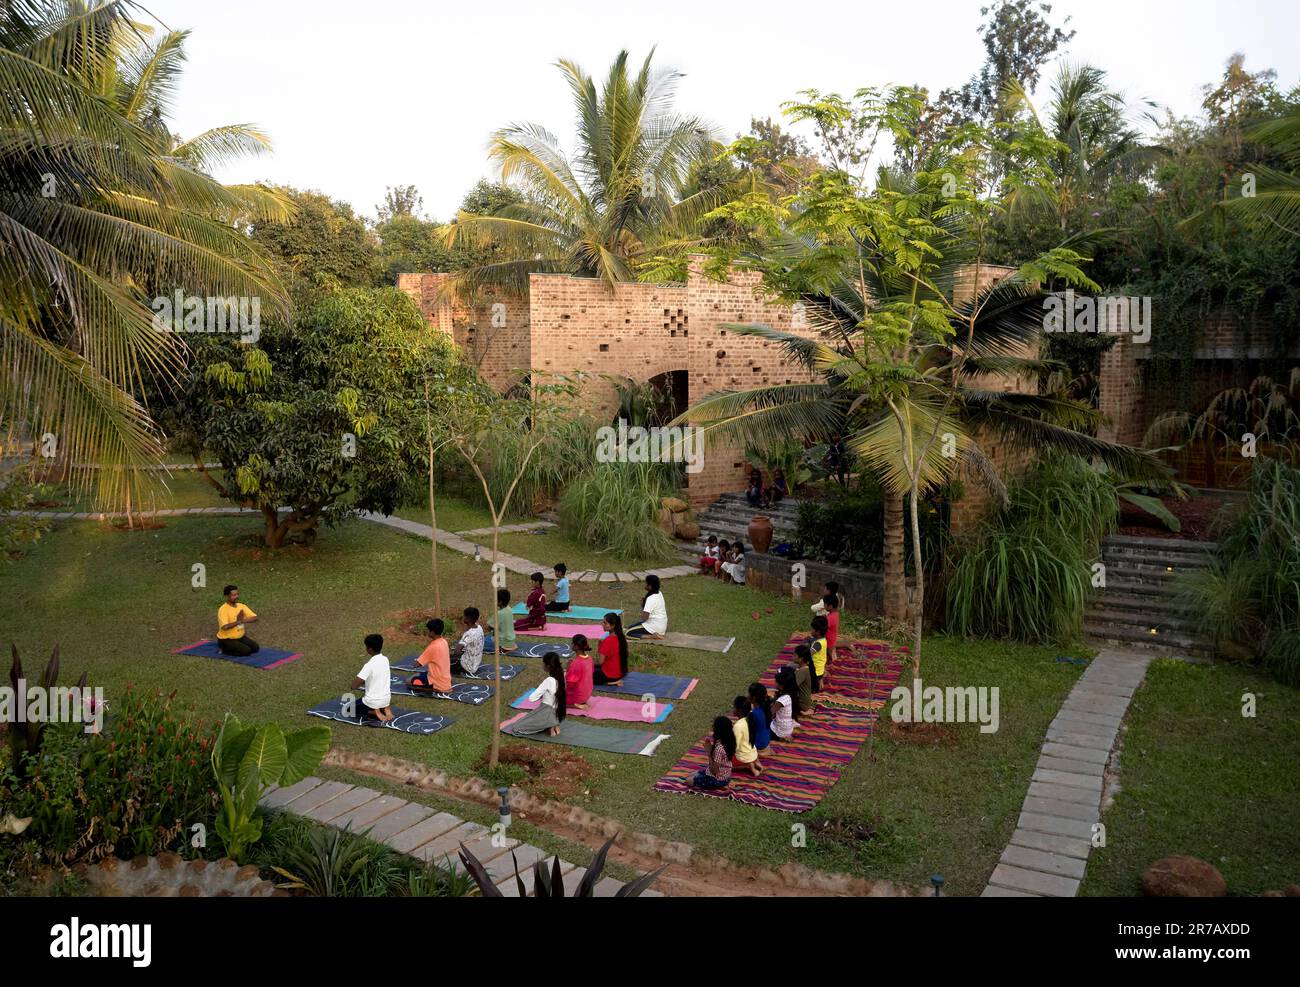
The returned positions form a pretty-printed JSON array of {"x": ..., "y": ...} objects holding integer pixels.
[{"x": 357, "y": 97}]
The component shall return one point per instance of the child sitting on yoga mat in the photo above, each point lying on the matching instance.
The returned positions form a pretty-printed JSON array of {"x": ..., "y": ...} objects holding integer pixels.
[
  {"x": 654, "y": 612},
  {"x": 231, "y": 618},
  {"x": 613, "y": 651},
  {"x": 561, "y": 601},
  {"x": 745, "y": 727},
  {"x": 467, "y": 653},
  {"x": 376, "y": 678},
  {"x": 722, "y": 748},
  {"x": 783, "y": 722},
  {"x": 761, "y": 706},
  {"x": 546, "y": 718},
  {"x": 820, "y": 656},
  {"x": 578, "y": 677},
  {"x": 803, "y": 679},
  {"x": 434, "y": 661},
  {"x": 536, "y": 603},
  {"x": 506, "y": 622}
]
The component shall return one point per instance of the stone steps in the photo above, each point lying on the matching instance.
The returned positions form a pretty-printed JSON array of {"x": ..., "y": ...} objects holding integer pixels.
[{"x": 424, "y": 833}]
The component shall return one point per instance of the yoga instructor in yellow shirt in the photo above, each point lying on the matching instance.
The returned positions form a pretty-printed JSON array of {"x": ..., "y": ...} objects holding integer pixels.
[{"x": 231, "y": 618}]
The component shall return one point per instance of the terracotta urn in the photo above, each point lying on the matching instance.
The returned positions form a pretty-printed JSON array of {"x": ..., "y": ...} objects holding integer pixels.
[{"x": 760, "y": 533}]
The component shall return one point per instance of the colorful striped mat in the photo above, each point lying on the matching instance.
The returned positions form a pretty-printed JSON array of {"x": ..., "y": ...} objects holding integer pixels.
[
  {"x": 797, "y": 772},
  {"x": 854, "y": 677}
]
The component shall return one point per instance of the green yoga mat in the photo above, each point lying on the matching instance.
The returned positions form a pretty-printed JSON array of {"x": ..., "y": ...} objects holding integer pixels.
[
  {"x": 573, "y": 734},
  {"x": 573, "y": 613}
]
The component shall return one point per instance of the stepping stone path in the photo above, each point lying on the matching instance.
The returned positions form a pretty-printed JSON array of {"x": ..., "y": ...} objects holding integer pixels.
[
  {"x": 1048, "y": 852},
  {"x": 450, "y": 539},
  {"x": 422, "y": 832}
]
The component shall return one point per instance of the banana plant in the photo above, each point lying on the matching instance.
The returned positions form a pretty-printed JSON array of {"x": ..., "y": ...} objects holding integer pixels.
[{"x": 246, "y": 761}]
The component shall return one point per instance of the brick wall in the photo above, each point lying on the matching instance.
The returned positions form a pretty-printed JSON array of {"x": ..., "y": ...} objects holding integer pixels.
[
  {"x": 637, "y": 331},
  {"x": 721, "y": 359}
]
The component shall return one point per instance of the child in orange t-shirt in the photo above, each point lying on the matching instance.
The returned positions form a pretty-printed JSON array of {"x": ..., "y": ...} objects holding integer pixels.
[{"x": 434, "y": 661}]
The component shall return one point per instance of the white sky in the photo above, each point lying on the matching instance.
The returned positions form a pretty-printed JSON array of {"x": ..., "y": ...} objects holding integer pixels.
[{"x": 357, "y": 97}]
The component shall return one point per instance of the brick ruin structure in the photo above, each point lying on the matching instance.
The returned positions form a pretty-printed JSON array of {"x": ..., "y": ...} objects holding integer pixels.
[{"x": 673, "y": 335}]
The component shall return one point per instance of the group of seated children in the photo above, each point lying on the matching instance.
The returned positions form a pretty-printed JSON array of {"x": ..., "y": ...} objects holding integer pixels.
[
  {"x": 563, "y": 688},
  {"x": 759, "y": 494},
  {"x": 724, "y": 560},
  {"x": 761, "y": 719},
  {"x": 538, "y": 605}
]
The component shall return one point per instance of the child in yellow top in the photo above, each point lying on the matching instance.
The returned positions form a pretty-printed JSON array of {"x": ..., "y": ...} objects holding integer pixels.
[
  {"x": 746, "y": 753},
  {"x": 820, "y": 652},
  {"x": 231, "y": 618}
]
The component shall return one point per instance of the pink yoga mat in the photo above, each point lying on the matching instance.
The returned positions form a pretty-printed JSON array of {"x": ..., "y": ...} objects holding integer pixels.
[
  {"x": 594, "y": 632},
  {"x": 608, "y": 708}
]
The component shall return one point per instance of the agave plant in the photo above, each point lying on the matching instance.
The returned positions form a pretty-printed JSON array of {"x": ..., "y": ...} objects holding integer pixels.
[
  {"x": 549, "y": 883},
  {"x": 25, "y": 737}
]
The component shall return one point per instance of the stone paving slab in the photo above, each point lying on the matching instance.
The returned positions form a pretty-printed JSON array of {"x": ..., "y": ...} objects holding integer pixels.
[
  {"x": 608, "y": 577},
  {"x": 502, "y": 869},
  {"x": 407, "y": 815},
  {"x": 1022, "y": 879},
  {"x": 319, "y": 796},
  {"x": 1071, "y": 753},
  {"x": 1055, "y": 825},
  {"x": 281, "y": 797},
  {"x": 448, "y": 843},
  {"x": 1069, "y": 846},
  {"x": 993, "y": 891},
  {"x": 1091, "y": 783},
  {"x": 1061, "y": 793},
  {"x": 342, "y": 805},
  {"x": 1041, "y": 860},
  {"x": 1062, "y": 736},
  {"x": 422, "y": 832},
  {"x": 367, "y": 814},
  {"x": 1048, "y": 763},
  {"x": 1065, "y": 810}
]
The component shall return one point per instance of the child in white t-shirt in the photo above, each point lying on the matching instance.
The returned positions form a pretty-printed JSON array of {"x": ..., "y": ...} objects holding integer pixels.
[
  {"x": 375, "y": 678},
  {"x": 467, "y": 653}
]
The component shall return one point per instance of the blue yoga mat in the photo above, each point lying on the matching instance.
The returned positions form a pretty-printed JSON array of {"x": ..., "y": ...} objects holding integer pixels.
[
  {"x": 537, "y": 649},
  {"x": 573, "y": 613},
  {"x": 646, "y": 684},
  {"x": 404, "y": 720},
  {"x": 473, "y": 693},
  {"x": 486, "y": 673},
  {"x": 264, "y": 658}
]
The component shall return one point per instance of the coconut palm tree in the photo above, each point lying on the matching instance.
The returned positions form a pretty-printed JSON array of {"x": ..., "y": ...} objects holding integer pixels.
[
  {"x": 610, "y": 205},
  {"x": 1271, "y": 208},
  {"x": 96, "y": 218}
]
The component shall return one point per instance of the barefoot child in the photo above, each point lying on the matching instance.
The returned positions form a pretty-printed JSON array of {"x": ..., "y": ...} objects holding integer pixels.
[
  {"x": 613, "y": 651},
  {"x": 546, "y": 718},
  {"x": 734, "y": 571},
  {"x": 505, "y": 619},
  {"x": 722, "y": 748},
  {"x": 578, "y": 676},
  {"x": 561, "y": 601},
  {"x": 746, "y": 753},
  {"x": 434, "y": 661},
  {"x": 761, "y": 715},
  {"x": 783, "y": 721},
  {"x": 376, "y": 679},
  {"x": 536, "y": 606},
  {"x": 654, "y": 612},
  {"x": 467, "y": 653},
  {"x": 832, "y": 604},
  {"x": 710, "y": 559},
  {"x": 819, "y": 653},
  {"x": 803, "y": 703}
]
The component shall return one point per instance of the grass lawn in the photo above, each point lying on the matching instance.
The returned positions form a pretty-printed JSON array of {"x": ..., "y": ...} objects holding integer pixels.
[
  {"x": 116, "y": 602},
  {"x": 1198, "y": 778}
]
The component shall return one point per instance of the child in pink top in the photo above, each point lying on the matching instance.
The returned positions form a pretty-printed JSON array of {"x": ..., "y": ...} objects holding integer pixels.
[{"x": 578, "y": 676}]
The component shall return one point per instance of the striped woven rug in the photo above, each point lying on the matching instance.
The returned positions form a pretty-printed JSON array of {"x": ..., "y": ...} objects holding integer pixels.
[
  {"x": 797, "y": 773},
  {"x": 862, "y": 673}
]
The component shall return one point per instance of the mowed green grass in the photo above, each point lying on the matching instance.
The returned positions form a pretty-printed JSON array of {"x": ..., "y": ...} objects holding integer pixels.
[
  {"x": 117, "y": 602},
  {"x": 1199, "y": 778}
]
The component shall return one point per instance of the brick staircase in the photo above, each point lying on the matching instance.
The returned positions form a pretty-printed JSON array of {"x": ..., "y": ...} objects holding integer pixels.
[
  {"x": 1142, "y": 605},
  {"x": 729, "y": 516}
]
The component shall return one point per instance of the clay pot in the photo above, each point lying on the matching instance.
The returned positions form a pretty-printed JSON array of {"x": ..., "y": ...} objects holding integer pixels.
[{"x": 760, "y": 533}]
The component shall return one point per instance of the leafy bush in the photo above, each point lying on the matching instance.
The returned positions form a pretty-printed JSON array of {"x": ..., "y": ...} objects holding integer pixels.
[
  {"x": 849, "y": 528},
  {"x": 135, "y": 789},
  {"x": 549, "y": 883},
  {"x": 1251, "y": 595},
  {"x": 1025, "y": 572},
  {"x": 615, "y": 508}
]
